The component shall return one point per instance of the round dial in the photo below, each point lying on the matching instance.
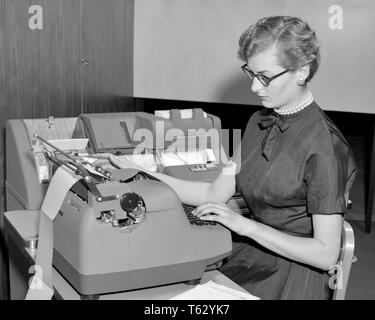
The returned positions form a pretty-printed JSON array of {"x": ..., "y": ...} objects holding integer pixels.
[{"x": 129, "y": 201}]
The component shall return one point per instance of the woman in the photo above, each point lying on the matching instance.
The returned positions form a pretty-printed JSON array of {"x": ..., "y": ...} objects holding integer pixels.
[{"x": 296, "y": 168}]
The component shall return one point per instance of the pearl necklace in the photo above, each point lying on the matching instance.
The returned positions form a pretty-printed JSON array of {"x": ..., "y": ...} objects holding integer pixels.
[{"x": 298, "y": 107}]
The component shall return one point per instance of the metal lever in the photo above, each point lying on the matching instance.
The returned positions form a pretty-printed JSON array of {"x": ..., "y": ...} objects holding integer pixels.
[{"x": 79, "y": 168}]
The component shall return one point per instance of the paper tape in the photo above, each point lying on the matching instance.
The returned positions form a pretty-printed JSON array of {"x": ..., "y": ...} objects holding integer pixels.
[{"x": 40, "y": 285}]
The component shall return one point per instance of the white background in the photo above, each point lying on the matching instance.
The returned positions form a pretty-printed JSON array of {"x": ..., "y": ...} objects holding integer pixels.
[{"x": 186, "y": 50}]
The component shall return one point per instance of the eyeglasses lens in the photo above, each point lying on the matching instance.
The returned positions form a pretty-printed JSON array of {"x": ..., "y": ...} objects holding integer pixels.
[{"x": 263, "y": 79}]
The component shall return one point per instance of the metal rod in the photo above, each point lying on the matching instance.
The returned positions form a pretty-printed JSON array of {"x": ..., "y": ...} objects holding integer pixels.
[
  {"x": 56, "y": 148},
  {"x": 71, "y": 166}
]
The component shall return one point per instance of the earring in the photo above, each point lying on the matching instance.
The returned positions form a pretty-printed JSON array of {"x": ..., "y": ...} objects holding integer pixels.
[{"x": 300, "y": 82}]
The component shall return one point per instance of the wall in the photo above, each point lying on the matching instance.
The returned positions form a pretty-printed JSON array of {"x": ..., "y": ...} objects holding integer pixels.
[
  {"x": 41, "y": 73},
  {"x": 186, "y": 50}
]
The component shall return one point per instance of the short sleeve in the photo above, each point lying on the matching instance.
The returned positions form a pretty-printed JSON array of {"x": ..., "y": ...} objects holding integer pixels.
[
  {"x": 242, "y": 150},
  {"x": 329, "y": 173}
]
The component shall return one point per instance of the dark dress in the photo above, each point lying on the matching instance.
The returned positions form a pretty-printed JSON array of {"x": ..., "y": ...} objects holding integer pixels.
[{"x": 292, "y": 167}]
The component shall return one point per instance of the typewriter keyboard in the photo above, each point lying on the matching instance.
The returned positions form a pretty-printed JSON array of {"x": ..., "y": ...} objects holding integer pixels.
[{"x": 193, "y": 219}]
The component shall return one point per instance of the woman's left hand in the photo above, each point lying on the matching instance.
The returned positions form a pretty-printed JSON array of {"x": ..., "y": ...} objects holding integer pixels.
[{"x": 225, "y": 215}]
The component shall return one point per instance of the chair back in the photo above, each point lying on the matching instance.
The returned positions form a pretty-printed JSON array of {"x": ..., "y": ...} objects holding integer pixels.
[{"x": 345, "y": 261}]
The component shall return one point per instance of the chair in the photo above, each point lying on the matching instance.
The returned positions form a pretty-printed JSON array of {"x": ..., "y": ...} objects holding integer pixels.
[{"x": 344, "y": 264}]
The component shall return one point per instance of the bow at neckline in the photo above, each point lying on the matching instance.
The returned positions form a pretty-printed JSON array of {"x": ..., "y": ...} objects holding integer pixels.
[
  {"x": 271, "y": 123},
  {"x": 272, "y": 120}
]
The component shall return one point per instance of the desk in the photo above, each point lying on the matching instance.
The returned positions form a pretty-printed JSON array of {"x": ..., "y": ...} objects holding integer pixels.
[
  {"x": 20, "y": 231},
  {"x": 64, "y": 291}
]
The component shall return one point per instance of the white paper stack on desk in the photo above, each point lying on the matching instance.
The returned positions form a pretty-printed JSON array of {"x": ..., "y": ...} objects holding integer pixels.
[{"x": 213, "y": 291}]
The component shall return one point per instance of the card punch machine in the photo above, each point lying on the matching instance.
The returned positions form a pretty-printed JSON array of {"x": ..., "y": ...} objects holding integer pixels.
[{"x": 123, "y": 229}]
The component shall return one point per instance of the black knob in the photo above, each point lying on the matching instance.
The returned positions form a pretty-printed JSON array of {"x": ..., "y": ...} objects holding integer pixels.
[
  {"x": 99, "y": 169},
  {"x": 129, "y": 201}
]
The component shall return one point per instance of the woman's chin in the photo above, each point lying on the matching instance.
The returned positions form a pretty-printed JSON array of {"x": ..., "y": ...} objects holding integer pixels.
[{"x": 266, "y": 104}]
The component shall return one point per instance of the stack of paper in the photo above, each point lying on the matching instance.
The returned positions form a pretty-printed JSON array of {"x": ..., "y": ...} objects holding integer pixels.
[
  {"x": 185, "y": 113},
  {"x": 213, "y": 291},
  {"x": 68, "y": 144}
]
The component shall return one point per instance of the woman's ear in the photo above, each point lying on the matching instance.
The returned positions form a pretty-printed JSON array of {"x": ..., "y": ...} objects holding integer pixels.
[{"x": 302, "y": 74}]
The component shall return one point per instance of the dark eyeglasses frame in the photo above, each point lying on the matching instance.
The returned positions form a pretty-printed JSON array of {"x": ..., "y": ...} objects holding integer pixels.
[{"x": 264, "y": 80}]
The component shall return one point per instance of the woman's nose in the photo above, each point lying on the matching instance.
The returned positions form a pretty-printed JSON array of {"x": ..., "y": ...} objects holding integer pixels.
[{"x": 256, "y": 85}]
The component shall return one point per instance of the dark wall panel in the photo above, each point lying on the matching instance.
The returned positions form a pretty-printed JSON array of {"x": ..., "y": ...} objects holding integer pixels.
[
  {"x": 108, "y": 74},
  {"x": 42, "y": 74},
  {"x": 39, "y": 70}
]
